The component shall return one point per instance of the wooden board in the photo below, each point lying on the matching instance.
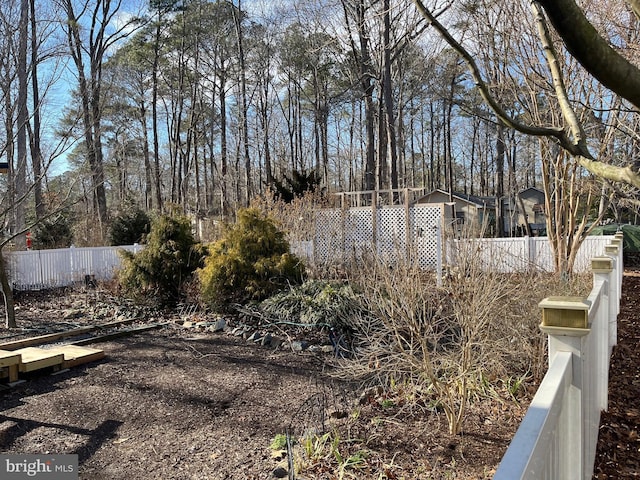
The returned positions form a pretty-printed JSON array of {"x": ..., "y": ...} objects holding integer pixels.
[
  {"x": 9, "y": 364},
  {"x": 9, "y": 358},
  {"x": 50, "y": 337},
  {"x": 75, "y": 355},
  {"x": 38, "y": 358}
]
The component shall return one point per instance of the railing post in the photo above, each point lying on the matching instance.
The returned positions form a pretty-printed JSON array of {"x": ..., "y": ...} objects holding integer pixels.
[
  {"x": 613, "y": 251},
  {"x": 565, "y": 321},
  {"x": 602, "y": 268},
  {"x": 619, "y": 238}
]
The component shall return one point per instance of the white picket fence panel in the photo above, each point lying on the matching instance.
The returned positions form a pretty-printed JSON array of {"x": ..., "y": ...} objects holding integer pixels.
[
  {"x": 39, "y": 269},
  {"x": 558, "y": 436},
  {"x": 61, "y": 267}
]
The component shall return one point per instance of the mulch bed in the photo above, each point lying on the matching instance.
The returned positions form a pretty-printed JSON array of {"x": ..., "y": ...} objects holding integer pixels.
[{"x": 618, "y": 454}]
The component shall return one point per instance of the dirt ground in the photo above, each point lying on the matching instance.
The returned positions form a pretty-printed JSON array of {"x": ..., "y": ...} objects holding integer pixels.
[
  {"x": 618, "y": 454},
  {"x": 177, "y": 403}
]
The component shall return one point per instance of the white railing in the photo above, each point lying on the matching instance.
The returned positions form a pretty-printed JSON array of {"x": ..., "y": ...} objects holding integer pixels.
[
  {"x": 558, "y": 436},
  {"x": 61, "y": 267}
]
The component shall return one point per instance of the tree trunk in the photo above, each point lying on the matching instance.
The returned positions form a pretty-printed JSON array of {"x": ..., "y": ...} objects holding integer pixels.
[
  {"x": 90, "y": 102},
  {"x": 500, "y": 159},
  {"x": 154, "y": 114},
  {"x": 362, "y": 57},
  {"x": 36, "y": 152},
  {"x": 244, "y": 122},
  {"x": 224, "y": 151},
  {"x": 392, "y": 147},
  {"x": 22, "y": 119},
  {"x": 7, "y": 293}
]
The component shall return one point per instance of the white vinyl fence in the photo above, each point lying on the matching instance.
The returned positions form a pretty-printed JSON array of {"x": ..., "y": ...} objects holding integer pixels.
[
  {"x": 61, "y": 267},
  {"x": 522, "y": 253},
  {"x": 557, "y": 438},
  {"x": 419, "y": 230},
  {"x": 40, "y": 269}
]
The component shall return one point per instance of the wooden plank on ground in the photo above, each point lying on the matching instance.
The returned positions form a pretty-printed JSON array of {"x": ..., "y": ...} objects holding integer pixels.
[
  {"x": 50, "y": 337},
  {"x": 38, "y": 358},
  {"x": 75, "y": 355},
  {"x": 120, "y": 333}
]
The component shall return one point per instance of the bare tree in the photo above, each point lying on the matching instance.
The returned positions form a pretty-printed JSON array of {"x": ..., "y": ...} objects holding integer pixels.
[
  {"x": 567, "y": 219},
  {"x": 89, "y": 37},
  {"x": 572, "y": 139}
]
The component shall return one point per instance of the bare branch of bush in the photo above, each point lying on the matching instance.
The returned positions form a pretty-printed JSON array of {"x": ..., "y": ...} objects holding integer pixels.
[{"x": 445, "y": 342}]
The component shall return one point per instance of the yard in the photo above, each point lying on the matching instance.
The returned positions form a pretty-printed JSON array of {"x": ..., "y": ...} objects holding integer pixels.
[{"x": 179, "y": 403}]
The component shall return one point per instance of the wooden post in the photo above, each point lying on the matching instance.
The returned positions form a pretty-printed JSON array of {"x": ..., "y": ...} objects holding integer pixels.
[
  {"x": 374, "y": 221},
  {"x": 408, "y": 233}
]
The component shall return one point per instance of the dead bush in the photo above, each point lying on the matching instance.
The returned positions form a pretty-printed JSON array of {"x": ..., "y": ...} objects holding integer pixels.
[{"x": 471, "y": 336}]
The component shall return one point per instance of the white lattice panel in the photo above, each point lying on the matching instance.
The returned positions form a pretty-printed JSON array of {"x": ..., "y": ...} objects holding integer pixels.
[
  {"x": 329, "y": 239},
  {"x": 391, "y": 234},
  {"x": 349, "y": 235},
  {"x": 358, "y": 232},
  {"x": 426, "y": 226}
]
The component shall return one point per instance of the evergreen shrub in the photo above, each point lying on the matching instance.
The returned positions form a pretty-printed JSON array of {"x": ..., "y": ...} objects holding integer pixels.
[
  {"x": 166, "y": 265},
  {"x": 249, "y": 263},
  {"x": 54, "y": 232},
  {"x": 129, "y": 227}
]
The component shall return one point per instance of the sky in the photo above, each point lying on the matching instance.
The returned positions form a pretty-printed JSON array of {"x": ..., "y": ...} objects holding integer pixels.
[{"x": 57, "y": 78}]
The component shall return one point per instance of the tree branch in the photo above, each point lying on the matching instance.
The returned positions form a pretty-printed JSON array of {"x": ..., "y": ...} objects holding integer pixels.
[
  {"x": 635, "y": 7},
  {"x": 586, "y": 45},
  {"x": 568, "y": 113},
  {"x": 556, "y": 132},
  {"x": 611, "y": 172}
]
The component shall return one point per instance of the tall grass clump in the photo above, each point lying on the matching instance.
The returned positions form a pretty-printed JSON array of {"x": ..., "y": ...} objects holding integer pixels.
[{"x": 447, "y": 344}]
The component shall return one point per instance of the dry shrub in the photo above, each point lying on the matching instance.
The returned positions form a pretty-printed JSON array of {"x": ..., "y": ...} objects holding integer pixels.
[
  {"x": 468, "y": 337},
  {"x": 296, "y": 218}
]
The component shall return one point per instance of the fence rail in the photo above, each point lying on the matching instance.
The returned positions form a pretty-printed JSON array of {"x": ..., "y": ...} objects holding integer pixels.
[{"x": 558, "y": 436}]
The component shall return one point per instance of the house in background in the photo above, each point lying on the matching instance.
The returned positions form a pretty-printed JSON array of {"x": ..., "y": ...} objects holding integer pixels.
[
  {"x": 473, "y": 213},
  {"x": 470, "y": 211},
  {"x": 532, "y": 199}
]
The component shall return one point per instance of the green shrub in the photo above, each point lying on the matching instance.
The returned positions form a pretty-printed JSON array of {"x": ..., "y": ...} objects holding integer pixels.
[
  {"x": 54, "y": 232},
  {"x": 129, "y": 227},
  {"x": 250, "y": 262},
  {"x": 314, "y": 302},
  {"x": 166, "y": 265}
]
